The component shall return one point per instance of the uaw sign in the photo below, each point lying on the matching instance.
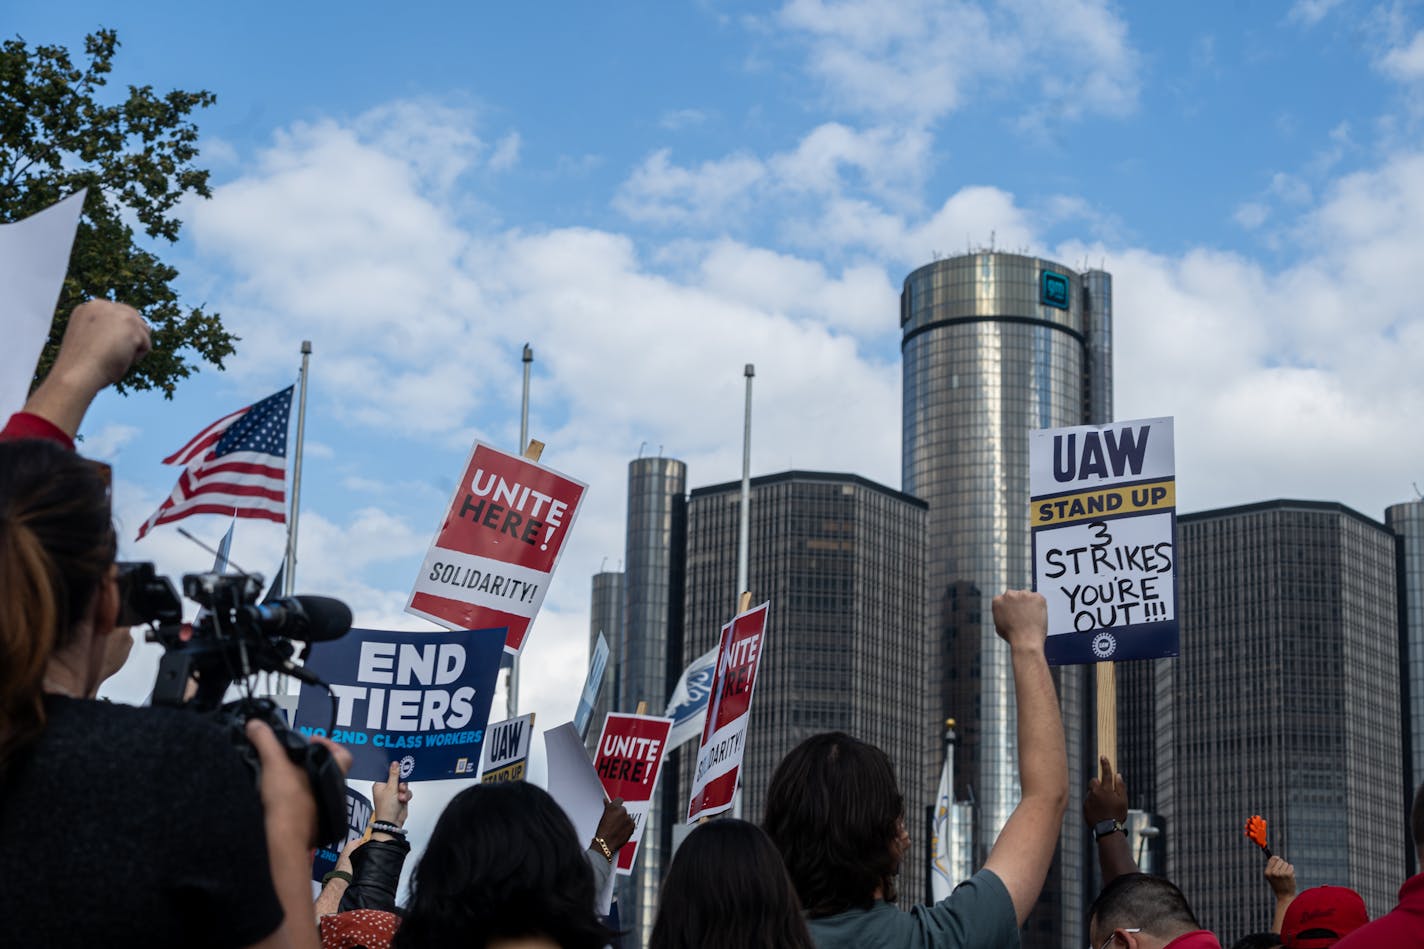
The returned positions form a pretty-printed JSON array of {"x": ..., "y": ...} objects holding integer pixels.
[
  {"x": 1104, "y": 522},
  {"x": 507, "y": 749},
  {"x": 492, "y": 559}
]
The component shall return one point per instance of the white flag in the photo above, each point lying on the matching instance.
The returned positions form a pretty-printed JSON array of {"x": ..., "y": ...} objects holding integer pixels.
[{"x": 687, "y": 707}]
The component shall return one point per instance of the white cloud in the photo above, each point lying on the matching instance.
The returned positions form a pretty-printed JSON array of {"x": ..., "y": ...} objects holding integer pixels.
[
  {"x": 921, "y": 59},
  {"x": 506, "y": 152},
  {"x": 676, "y": 120},
  {"x": 1405, "y": 62},
  {"x": 1311, "y": 12},
  {"x": 660, "y": 192}
]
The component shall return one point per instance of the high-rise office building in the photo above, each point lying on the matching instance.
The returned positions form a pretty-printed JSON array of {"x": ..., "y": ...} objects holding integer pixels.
[
  {"x": 994, "y": 346},
  {"x": 842, "y": 561},
  {"x": 1406, "y": 520},
  {"x": 1283, "y": 703},
  {"x": 606, "y": 617},
  {"x": 649, "y": 651}
]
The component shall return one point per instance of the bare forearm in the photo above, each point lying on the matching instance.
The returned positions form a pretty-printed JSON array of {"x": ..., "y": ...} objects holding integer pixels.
[
  {"x": 1282, "y": 904},
  {"x": 1043, "y": 753},
  {"x": 62, "y": 399},
  {"x": 328, "y": 901},
  {"x": 291, "y": 877},
  {"x": 1115, "y": 857}
]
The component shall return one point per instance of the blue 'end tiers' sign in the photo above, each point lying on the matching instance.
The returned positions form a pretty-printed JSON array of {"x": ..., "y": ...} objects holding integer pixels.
[{"x": 1053, "y": 289}]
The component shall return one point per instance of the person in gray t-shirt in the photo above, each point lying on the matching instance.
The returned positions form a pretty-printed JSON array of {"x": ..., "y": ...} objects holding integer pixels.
[{"x": 835, "y": 812}]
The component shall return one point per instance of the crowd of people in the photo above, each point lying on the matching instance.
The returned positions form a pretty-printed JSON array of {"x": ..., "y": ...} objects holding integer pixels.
[{"x": 125, "y": 826}]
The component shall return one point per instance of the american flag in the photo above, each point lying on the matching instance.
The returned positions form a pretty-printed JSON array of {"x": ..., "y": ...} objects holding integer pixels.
[{"x": 235, "y": 466}]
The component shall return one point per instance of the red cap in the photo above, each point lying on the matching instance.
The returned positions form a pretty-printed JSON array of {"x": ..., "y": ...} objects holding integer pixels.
[{"x": 1322, "y": 916}]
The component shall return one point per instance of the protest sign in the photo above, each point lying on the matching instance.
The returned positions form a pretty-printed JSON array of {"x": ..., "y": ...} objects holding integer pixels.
[
  {"x": 687, "y": 707},
  {"x": 34, "y": 255},
  {"x": 422, "y": 699},
  {"x": 719, "y": 757},
  {"x": 630, "y": 756},
  {"x": 507, "y": 749},
  {"x": 597, "y": 663},
  {"x": 358, "y": 815},
  {"x": 491, "y": 561},
  {"x": 572, "y": 781},
  {"x": 1104, "y": 525}
]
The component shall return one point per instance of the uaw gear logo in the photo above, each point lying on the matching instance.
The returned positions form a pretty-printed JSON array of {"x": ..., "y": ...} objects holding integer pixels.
[
  {"x": 1104, "y": 645},
  {"x": 407, "y": 764}
]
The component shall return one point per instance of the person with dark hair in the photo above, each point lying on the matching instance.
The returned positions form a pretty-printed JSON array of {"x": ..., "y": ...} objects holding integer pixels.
[
  {"x": 1258, "y": 941},
  {"x": 1321, "y": 916},
  {"x": 1403, "y": 926},
  {"x": 727, "y": 889},
  {"x": 1139, "y": 911},
  {"x": 835, "y": 812},
  {"x": 503, "y": 864},
  {"x": 119, "y": 826}
]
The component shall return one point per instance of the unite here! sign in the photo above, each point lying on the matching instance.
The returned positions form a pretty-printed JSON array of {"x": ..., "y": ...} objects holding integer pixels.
[
  {"x": 729, "y": 709},
  {"x": 1104, "y": 524},
  {"x": 492, "y": 559},
  {"x": 629, "y": 759}
]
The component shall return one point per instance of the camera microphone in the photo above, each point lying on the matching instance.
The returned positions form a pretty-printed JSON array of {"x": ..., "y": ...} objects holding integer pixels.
[{"x": 311, "y": 619}]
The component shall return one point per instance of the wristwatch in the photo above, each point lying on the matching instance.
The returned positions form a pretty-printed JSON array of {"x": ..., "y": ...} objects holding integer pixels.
[{"x": 1110, "y": 826}]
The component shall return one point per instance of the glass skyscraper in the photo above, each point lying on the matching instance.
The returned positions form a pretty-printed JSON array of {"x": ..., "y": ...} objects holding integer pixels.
[
  {"x": 649, "y": 650},
  {"x": 1407, "y": 522},
  {"x": 606, "y": 617},
  {"x": 841, "y": 559},
  {"x": 1283, "y": 703},
  {"x": 996, "y": 345}
]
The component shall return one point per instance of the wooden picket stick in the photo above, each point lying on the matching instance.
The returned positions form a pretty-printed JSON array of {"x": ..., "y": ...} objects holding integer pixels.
[
  {"x": 1107, "y": 714},
  {"x": 744, "y": 602},
  {"x": 642, "y": 709},
  {"x": 535, "y": 450}
]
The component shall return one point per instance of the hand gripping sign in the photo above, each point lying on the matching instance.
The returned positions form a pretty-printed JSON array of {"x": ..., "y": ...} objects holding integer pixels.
[
  {"x": 719, "y": 757},
  {"x": 492, "y": 559},
  {"x": 630, "y": 756},
  {"x": 358, "y": 815},
  {"x": 1104, "y": 524},
  {"x": 422, "y": 699}
]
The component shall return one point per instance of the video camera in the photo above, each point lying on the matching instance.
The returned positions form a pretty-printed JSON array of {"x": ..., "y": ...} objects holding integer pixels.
[{"x": 233, "y": 638}]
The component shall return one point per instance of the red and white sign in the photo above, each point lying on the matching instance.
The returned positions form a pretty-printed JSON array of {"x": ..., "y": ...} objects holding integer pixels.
[
  {"x": 729, "y": 709},
  {"x": 491, "y": 562},
  {"x": 630, "y": 756}
]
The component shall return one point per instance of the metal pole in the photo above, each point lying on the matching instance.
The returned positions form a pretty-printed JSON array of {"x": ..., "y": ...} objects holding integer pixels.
[
  {"x": 512, "y": 683},
  {"x": 289, "y": 577},
  {"x": 744, "y": 530}
]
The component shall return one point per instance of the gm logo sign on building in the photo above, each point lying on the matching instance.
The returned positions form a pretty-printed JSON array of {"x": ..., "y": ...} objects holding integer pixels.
[{"x": 1053, "y": 289}]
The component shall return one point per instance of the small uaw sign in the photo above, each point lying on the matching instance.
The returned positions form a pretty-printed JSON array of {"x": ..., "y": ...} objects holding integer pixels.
[
  {"x": 1104, "y": 524},
  {"x": 492, "y": 559},
  {"x": 507, "y": 749}
]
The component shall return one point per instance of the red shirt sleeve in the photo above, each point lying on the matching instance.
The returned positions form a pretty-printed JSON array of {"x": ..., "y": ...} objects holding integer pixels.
[{"x": 26, "y": 425}]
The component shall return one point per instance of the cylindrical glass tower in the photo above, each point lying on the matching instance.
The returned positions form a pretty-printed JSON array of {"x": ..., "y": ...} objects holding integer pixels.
[
  {"x": 651, "y": 646},
  {"x": 994, "y": 346}
]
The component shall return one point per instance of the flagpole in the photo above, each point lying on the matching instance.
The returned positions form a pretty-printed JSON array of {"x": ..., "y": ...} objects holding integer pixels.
[
  {"x": 289, "y": 576},
  {"x": 512, "y": 683}
]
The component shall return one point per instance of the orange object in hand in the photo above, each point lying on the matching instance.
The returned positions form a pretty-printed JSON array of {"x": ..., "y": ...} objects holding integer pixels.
[{"x": 1256, "y": 831}]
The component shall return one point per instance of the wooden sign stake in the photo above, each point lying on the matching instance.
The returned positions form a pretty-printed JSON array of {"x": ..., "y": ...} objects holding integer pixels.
[
  {"x": 535, "y": 450},
  {"x": 1107, "y": 714},
  {"x": 744, "y": 602},
  {"x": 642, "y": 709}
]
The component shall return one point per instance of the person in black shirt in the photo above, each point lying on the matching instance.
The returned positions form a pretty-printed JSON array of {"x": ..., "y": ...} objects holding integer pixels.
[{"x": 119, "y": 826}]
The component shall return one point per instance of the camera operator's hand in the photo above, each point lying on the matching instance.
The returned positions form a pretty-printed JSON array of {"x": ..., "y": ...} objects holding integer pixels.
[
  {"x": 390, "y": 799},
  {"x": 286, "y": 793},
  {"x": 103, "y": 339},
  {"x": 289, "y": 810}
]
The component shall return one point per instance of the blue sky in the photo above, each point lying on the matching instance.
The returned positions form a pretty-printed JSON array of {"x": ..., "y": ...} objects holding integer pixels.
[{"x": 654, "y": 194}]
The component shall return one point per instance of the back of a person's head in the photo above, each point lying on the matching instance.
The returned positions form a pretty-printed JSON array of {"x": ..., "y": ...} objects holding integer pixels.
[
  {"x": 833, "y": 810},
  {"x": 1139, "y": 900},
  {"x": 1258, "y": 941},
  {"x": 1321, "y": 916},
  {"x": 727, "y": 889},
  {"x": 503, "y": 862},
  {"x": 56, "y": 546}
]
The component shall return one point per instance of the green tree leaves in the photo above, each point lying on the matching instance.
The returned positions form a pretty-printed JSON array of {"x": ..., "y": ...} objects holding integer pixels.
[{"x": 58, "y": 134}]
